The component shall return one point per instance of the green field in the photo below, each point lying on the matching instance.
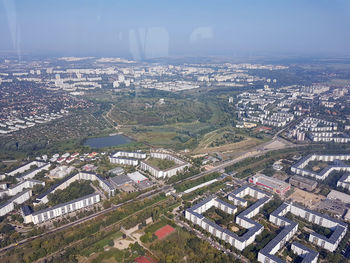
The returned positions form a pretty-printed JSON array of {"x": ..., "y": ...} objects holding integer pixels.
[{"x": 162, "y": 164}]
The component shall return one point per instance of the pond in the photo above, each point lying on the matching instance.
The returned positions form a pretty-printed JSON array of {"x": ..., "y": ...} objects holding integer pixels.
[{"x": 107, "y": 141}]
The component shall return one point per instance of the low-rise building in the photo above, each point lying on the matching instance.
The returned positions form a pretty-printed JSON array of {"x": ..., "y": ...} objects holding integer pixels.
[
  {"x": 272, "y": 184},
  {"x": 303, "y": 183},
  {"x": 120, "y": 180},
  {"x": 61, "y": 171},
  {"x": 336, "y": 195},
  {"x": 116, "y": 171},
  {"x": 137, "y": 177}
]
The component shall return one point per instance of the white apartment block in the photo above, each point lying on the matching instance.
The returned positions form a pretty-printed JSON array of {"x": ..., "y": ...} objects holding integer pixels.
[
  {"x": 267, "y": 254},
  {"x": 299, "y": 167},
  {"x": 127, "y": 158},
  {"x": 63, "y": 209},
  {"x": 156, "y": 172},
  {"x": 104, "y": 184},
  {"x": 344, "y": 181},
  {"x": 331, "y": 136},
  {"x": 20, "y": 198},
  {"x": 25, "y": 171},
  {"x": 194, "y": 214},
  {"x": 27, "y": 184}
]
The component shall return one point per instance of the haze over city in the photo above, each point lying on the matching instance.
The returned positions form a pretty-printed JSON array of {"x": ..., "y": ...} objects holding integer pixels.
[{"x": 148, "y": 29}]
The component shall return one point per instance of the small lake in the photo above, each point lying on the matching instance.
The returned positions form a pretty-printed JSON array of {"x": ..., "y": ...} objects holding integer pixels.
[{"x": 107, "y": 141}]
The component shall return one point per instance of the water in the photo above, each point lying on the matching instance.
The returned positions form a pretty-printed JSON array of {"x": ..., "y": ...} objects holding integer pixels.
[{"x": 107, "y": 141}]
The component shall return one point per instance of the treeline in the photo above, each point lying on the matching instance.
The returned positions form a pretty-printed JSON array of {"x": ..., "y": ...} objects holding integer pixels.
[{"x": 75, "y": 190}]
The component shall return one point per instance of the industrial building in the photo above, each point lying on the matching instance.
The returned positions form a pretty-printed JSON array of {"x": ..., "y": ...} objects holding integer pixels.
[
  {"x": 303, "y": 183},
  {"x": 271, "y": 184},
  {"x": 120, "y": 180},
  {"x": 137, "y": 177}
]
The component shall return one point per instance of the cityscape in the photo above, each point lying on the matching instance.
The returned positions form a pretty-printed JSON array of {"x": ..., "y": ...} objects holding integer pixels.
[{"x": 164, "y": 155}]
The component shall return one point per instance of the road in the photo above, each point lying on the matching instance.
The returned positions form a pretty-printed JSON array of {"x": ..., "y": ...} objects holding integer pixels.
[{"x": 253, "y": 152}]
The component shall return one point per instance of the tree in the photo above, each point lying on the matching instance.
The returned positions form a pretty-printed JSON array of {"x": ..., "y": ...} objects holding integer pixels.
[
  {"x": 6, "y": 229},
  {"x": 111, "y": 243},
  {"x": 155, "y": 214}
]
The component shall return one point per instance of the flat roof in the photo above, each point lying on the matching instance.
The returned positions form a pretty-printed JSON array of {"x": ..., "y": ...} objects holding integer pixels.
[
  {"x": 120, "y": 180},
  {"x": 271, "y": 182},
  {"x": 339, "y": 196},
  {"x": 137, "y": 177},
  {"x": 302, "y": 179}
]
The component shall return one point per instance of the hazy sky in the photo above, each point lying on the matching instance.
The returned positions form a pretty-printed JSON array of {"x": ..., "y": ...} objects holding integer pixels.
[{"x": 146, "y": 29}]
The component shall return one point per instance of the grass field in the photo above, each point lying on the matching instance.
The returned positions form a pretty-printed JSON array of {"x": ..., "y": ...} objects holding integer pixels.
[
  {"x": 205, "y": 144},
  {"x": 161, "y": 164},
  {"x": 317, "y": 166}
]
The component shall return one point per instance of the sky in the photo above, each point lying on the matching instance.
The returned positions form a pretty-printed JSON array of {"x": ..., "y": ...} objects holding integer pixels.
[{"x": 149, "y": 29}]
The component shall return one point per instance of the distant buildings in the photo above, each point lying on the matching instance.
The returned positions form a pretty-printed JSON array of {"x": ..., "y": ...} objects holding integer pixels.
[
  {"x": 271, "y": 184},
  {"x": 318, "y": 130}
]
